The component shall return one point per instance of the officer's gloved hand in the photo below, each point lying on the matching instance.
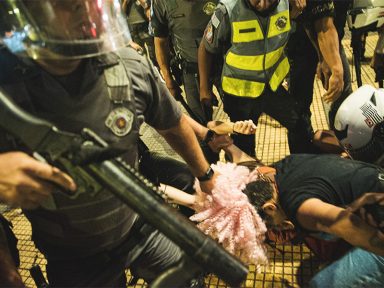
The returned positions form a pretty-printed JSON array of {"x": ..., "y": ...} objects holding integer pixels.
[
  {"x": 219, "y": 142},
  {"x": 208, "y": 100},
  {"x": 207, "y": 109},
  {"x": 206, "y": 97}
]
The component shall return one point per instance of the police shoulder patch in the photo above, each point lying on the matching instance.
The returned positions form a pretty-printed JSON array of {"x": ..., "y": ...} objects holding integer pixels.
[
  {"x": 208, "y": 33},
  {"x": 281, "y": 22},
  {"x": 119, "y": 121}
]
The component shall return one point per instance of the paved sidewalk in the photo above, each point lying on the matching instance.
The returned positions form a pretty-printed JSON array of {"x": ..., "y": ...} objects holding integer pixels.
[{"x": 289, "y": 265}]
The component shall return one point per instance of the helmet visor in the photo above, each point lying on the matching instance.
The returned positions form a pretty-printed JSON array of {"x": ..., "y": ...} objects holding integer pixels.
[{"x": 57, "y": 29}]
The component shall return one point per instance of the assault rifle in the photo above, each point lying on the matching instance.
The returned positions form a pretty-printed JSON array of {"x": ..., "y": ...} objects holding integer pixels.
[{"x": 89, "y": 160}]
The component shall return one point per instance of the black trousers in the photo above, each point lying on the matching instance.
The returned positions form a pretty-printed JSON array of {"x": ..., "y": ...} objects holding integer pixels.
[
  {"x": 279, "y": 105},
  {"x": 192, "y": 93}
]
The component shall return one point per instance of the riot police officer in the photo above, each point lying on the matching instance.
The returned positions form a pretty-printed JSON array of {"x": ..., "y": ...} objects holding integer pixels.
[{"x": 83, "y": 75}]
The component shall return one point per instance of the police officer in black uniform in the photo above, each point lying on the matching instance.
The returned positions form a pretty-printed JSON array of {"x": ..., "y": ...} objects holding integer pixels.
[{"x": 183, "y": 22}]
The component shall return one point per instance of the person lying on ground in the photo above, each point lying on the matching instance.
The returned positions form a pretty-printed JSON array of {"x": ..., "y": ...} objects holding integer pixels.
[{"x": 314, "y": 194}]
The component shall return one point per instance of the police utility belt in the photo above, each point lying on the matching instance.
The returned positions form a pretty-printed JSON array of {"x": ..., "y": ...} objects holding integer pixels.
[{"x": 189, "y": 67}]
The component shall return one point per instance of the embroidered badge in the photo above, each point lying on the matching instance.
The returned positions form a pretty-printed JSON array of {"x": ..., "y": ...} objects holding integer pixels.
[
  {"x": 208, "y": 33},
  {"x": 209, "y": 8},
  {"x": 281, "y": 23},
  {"x": 120, "y": 121}
]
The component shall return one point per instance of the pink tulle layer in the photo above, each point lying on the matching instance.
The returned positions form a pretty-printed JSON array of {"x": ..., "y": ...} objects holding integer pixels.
[{"x": 228, "y": 217}]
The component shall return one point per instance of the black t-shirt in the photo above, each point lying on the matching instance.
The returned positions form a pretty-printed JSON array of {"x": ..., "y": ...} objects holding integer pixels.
[
  {"x": 329, "y": 178},
  {"x": 317, "y": 9}
]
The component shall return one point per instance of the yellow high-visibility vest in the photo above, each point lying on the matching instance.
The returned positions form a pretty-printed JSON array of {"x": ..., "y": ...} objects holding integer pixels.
[{"x": 256, "y": 57}]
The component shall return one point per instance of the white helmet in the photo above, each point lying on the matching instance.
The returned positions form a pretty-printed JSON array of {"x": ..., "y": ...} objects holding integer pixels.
[
  {"x": 359, "y": 123},
  {"x": 365, "y": 13},
  {"x": 59, "y": 29}
]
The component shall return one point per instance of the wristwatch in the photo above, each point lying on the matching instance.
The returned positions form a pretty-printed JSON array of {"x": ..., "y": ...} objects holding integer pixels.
[{"x": 207, "y": 175}]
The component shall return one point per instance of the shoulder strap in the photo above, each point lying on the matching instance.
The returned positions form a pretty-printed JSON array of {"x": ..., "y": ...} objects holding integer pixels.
[
  {"x": 229, "y": 4},
  {"x": 119, "y": 84}
]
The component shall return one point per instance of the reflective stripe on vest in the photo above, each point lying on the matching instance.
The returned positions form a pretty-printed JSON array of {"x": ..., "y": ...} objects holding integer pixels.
[
  {"x": 279, "y": 74},
  {"x": 255, "y": 59},
  {"x": 238, "y": 87},
  {"x": 246, "y": 31},
  {"x": 254, "y": 63}
]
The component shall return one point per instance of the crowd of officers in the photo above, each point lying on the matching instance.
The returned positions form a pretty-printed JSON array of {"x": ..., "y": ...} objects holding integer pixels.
[
  {"x": 247, "y": 49},
  {"x": 201, "y": 44}
]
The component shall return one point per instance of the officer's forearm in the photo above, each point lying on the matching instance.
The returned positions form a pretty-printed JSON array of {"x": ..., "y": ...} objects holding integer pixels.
[
  {"x": 200, "y": 130},
  {"x": 328, "y": 41},
  {"x": 205, "y": 67},
  {"x": 163, "y": 58},
  {"x": 317, "y": 215},
  {"x": 184, "y": 142}
]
